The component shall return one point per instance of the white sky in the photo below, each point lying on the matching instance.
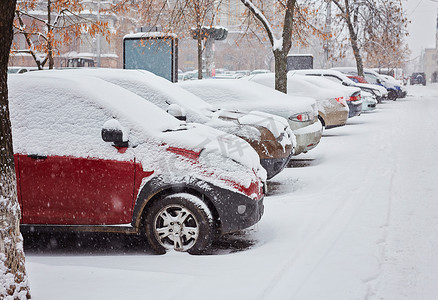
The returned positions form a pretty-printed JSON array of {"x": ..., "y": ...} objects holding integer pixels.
[{"x": 423, "y": 15}]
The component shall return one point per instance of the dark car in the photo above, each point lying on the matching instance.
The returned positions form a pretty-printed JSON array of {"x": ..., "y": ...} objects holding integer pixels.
[{"x": 418, "y": 78}]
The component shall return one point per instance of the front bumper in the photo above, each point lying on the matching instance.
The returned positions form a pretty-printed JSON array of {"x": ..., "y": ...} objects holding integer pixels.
[
  {"x": 236, "y": 211},
  {"x": 273, "y": 166}
]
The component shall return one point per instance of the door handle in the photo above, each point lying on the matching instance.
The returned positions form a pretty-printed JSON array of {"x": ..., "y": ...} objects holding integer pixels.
[{"x": 36, "y": 156}]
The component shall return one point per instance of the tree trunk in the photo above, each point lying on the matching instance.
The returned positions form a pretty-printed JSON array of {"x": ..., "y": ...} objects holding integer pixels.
[
  {"x": 199, "y": 54},
  {"x": 13, "y": 278},
  {"x": 49, "y": 36},
  {"x": 356, "y": 50},
  {"x": 280, "y": 71},
  {"x": 353, "y": 38}
]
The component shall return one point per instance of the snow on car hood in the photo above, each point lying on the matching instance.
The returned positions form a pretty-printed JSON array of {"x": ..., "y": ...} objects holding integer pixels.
[{"x": 204, "y": 139}]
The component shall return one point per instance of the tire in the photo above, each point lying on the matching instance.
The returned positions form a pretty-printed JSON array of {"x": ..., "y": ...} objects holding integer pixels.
[
  {"x": 322, "y": 122},
  {"x": 180, "y": 222},
  {"x": 392, "y": 95}
]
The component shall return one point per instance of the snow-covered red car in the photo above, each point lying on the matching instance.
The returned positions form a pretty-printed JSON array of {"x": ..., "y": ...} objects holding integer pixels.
[{"x": 91, "y": 156}]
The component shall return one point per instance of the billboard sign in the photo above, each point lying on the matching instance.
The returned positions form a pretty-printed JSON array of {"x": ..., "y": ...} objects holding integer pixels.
[{"x": 155, "y": 52}]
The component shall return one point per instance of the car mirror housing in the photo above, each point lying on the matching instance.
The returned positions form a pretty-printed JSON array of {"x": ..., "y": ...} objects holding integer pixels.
[{"x": 112, "y": 132}]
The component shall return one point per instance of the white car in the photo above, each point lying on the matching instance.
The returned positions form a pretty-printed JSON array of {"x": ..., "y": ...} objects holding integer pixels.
[
  {"x": 339, "y": 76},
  {"x": 351, "y": 94},
  {"x": 243, "y": 95},
  {"x": 371, "y": 77}
]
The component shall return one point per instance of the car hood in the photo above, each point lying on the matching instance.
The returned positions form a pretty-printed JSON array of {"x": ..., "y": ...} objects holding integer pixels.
[{"x": 200, "y": 139}]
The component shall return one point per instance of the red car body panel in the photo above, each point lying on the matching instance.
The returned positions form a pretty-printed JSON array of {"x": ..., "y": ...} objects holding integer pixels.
[{"x": 77, "y": 191}]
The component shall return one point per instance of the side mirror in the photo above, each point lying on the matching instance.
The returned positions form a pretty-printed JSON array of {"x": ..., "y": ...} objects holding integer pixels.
[
  {"x": 113, "y": 132},
  {"x": 177, "y": 111},
  {"x": 379, "y": 81},
  {"x": 344, "y": 83}
]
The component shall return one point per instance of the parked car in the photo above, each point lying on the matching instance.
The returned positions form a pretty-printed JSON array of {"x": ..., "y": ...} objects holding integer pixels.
[
  {"x": 417, "y": 78},
  {"x": 91, "y": 156},
  {"x": 352, "y": 95},
  {"x": 369, "y": 100},
  {"x": 402, "y": 92},
  {"x": 339, "y": 77},
  {"x": 301, "y": 113},
  {"x": 373, "y": 78},
  {"x": 272, "y": 140},
  {"x": 332, "y": 107}
]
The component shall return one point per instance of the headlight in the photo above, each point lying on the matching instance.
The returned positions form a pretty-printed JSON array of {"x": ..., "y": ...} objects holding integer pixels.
[{"x": 302, "y": 117}]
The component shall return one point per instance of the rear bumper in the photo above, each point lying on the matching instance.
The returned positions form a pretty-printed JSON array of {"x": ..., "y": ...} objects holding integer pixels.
[
  {"x": 308, "y": 137},
  {"x": 336, "y": 118},
  {"x": 355, "y": 108}
]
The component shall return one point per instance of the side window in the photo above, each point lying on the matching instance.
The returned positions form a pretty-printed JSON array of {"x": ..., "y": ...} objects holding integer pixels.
[{"x": 56, "y": 122}]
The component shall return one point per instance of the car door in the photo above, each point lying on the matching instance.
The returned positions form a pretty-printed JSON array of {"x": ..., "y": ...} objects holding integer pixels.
[
  {"x": 68, "y": 190},
  {"x": 66, "y": 173}
]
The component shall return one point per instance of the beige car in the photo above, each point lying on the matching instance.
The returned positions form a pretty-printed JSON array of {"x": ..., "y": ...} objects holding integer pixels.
[{"x": 332, "y": 106}]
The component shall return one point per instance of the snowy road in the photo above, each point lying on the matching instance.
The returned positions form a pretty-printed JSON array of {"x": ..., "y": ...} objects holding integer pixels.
[{"x": 357, "y": 220}]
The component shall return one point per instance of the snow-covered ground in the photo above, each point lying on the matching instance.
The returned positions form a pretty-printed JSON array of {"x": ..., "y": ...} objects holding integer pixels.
[{"x": 357, "y": 218}]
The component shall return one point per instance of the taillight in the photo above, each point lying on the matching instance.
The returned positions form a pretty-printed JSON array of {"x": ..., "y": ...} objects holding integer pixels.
[
  {"x": 303, "y": 117},
  {"x": 354, "y": 98},
  {"x": 341, "y": 100}
]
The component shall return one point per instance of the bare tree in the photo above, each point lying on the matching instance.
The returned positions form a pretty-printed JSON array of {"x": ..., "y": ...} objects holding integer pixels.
[
  {"x": 376, "y": 27},
  {"x": 350, "y": 14},
  {"x": 13, "y": 278},
  {"x": 385, "y": 33}
]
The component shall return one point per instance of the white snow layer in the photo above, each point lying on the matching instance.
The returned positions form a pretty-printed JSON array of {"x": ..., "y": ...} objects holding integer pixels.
[{"x": 359, "y": 222}]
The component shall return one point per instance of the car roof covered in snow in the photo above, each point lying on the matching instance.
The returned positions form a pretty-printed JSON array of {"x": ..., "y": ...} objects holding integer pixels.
[{"x": 245, "y": 95}]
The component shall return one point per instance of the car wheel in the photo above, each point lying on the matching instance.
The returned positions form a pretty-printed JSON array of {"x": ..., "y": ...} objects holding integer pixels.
[
  {"x": 392, "y": 95},
  {"x": 322, "y": 122},
  {"x": 180, "y": 222}
]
